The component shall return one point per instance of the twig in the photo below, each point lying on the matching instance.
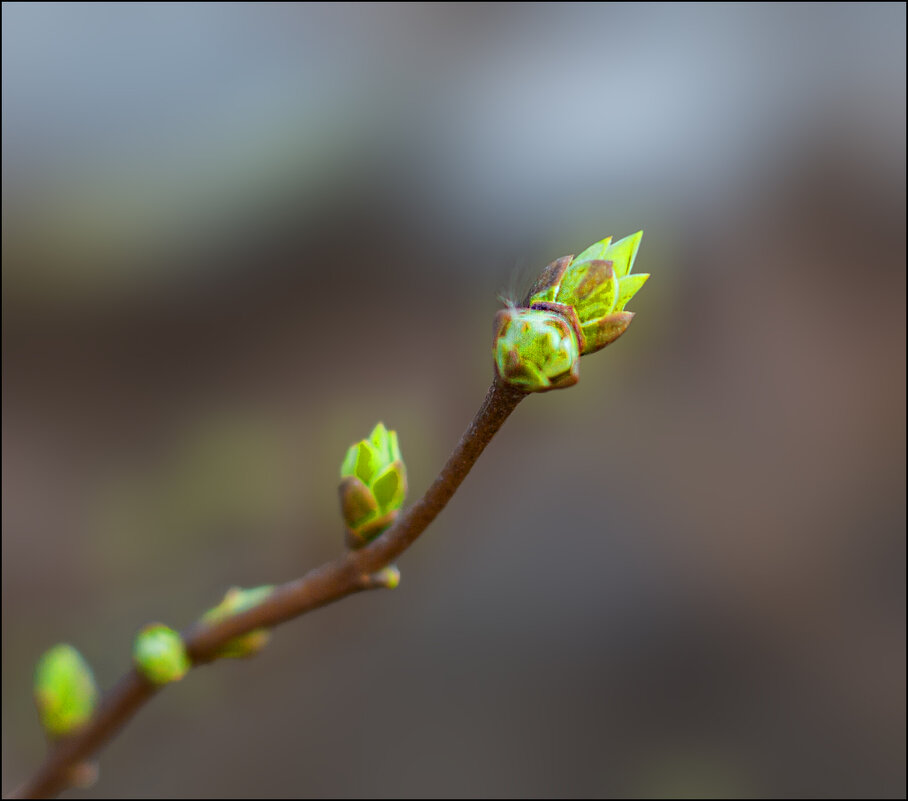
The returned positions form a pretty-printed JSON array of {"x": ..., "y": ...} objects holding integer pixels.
[{"x": 344, "y": 576}]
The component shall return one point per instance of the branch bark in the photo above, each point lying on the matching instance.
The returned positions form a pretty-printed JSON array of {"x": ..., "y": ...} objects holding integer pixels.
[{"x": 344, "y": 576}]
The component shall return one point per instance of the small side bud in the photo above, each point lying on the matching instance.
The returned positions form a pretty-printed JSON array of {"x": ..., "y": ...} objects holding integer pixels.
[
  {"x": 235, "y": 601},
  {"x": 160, "y": 655},
  {"x": 388, "y": 577},
  {"x": 373, "y": 486},
  {"x": 65, "y": 691}
]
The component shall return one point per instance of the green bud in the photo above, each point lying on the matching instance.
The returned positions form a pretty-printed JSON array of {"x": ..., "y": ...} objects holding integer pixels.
[
  {"x": 65, "y": 690},
  {"x": 535, "y": 350},
  {"x": 373, "y": 485},
  {"x": 238, "y": 600},
  {"x": 160, "y": 655},
  {"x": 592, "y": 290},
  {"x": 388, "y": 577}
]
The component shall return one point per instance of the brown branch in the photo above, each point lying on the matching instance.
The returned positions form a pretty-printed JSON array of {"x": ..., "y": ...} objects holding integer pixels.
[{"x": 344, "y": 576}]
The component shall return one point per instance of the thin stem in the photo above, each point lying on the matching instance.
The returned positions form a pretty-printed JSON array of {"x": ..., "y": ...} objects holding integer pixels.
[{"x": 344, "y": 576}]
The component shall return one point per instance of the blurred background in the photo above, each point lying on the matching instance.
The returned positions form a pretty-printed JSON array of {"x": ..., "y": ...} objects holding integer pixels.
[{"x": 235, "y": 236}]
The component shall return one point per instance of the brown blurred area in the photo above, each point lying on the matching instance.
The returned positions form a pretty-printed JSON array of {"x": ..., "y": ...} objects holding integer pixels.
[{"x": 236, "y": 236}]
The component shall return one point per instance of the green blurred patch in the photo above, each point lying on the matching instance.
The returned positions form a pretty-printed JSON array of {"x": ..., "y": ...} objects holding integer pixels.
[
  {"x": 227, "y": 475},
  {"x": 699, "y": 775}
]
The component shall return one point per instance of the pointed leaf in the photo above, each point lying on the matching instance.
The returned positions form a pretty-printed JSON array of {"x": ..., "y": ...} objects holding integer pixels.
[
  {"x": 594, "y": 251},
  {"x": 624, "y": 252},
  {"x": 379, "y": 441},
  {"x": 385, "y": 487},
  {"x": 401, "y": 468},
  {"x": 628, "y": 287},
  {"x": 546, "y": 286},
  {"x": 366, "y": 462},
  {"x": 606, "y": 330},
  {"x": 393, "y": 447},
  {"x": 348, "y": 467}
]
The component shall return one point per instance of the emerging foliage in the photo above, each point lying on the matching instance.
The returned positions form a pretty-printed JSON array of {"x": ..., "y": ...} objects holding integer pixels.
[
  {"x": 373, "y": 485},
  {"x": 585, "y": 297}
]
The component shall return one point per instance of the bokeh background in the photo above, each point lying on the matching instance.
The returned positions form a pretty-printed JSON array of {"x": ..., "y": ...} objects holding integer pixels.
[{"x": 237, "y": 235}]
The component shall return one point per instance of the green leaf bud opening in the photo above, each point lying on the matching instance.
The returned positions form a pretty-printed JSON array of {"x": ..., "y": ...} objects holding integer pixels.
[
  {"x": 373, "y": 485},
  {"x": 65, "y": 690},
  {"x": 160, "y": 655},
  {"x": 592, "y": 290}
]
